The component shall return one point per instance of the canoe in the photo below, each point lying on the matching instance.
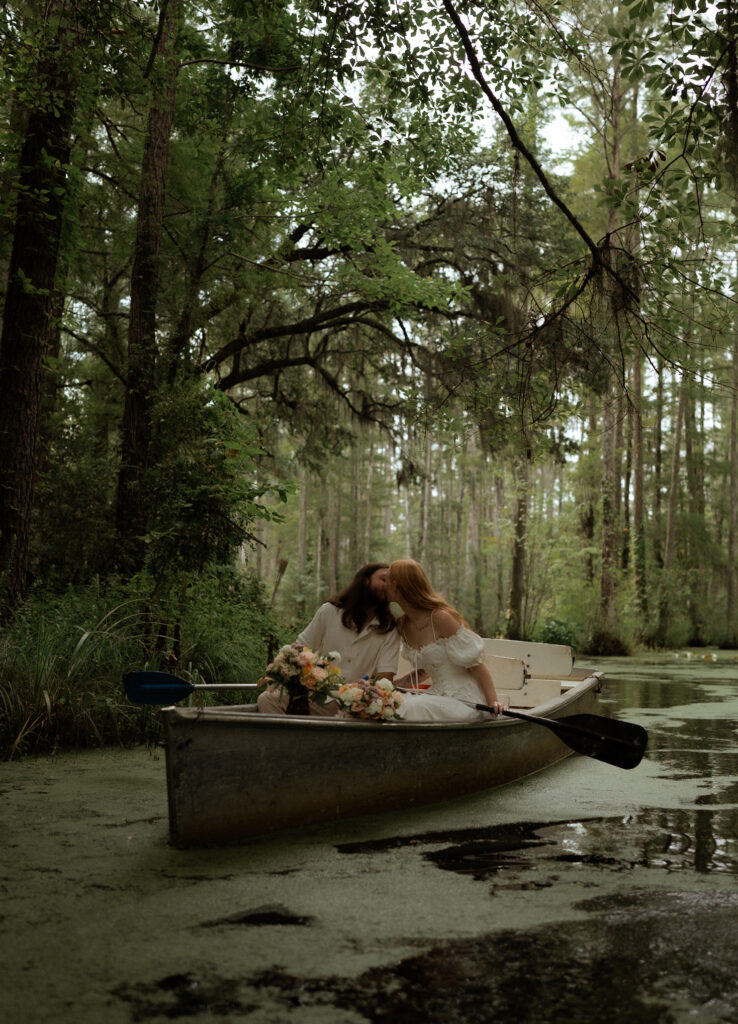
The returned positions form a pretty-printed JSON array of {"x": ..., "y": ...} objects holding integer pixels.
[{"x": 233, "y": 773}]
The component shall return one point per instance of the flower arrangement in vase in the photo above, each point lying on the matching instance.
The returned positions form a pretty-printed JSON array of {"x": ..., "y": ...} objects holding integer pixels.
[{"x": 304, "y": 676}]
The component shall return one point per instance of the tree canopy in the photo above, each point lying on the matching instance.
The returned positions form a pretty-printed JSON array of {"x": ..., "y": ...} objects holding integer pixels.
[{"x": 255, "y": 250}]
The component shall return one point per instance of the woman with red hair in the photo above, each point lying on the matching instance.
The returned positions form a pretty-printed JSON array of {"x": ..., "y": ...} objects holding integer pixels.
[{"x": 438, "y": 643}]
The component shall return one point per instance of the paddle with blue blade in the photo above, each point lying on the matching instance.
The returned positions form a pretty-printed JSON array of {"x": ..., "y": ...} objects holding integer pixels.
[{"x": 146, "y": 687}]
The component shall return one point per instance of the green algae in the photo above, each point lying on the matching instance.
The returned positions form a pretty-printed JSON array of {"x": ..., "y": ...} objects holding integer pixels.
[{"x": 414, "y": 913}]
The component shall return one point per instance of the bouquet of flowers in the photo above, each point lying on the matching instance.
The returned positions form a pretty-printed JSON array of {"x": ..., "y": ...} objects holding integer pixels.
[
  {"x": 301, "y": 673},
  {"x": 369, "y": 698}
]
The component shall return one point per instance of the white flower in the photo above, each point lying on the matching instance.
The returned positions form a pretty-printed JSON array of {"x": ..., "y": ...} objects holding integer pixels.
[
  {"x": 374, "y": 708},
  {"x": 351, "y": 694},
  {"x": 334, "y": 656},
  {"x": 384, "y": 685}
]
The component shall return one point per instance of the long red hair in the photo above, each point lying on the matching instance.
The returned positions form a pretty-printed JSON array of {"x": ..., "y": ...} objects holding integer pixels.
[{"x": 414, "y": 588}]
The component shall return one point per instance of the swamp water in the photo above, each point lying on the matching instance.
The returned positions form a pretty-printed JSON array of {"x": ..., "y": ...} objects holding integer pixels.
[{"x": 583, "y": 893}]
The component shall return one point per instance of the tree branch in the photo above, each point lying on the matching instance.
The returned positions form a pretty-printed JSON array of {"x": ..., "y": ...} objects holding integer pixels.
[
  {"x": 512, "y": 133},
  {"x": 340, "y": 315}
]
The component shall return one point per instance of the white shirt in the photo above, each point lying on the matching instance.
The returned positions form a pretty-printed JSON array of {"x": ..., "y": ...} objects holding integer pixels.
[{"x": 367, "y": 653}]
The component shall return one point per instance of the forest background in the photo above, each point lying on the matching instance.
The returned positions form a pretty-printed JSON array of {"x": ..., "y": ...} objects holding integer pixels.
[{"x": 292, "y": 286}]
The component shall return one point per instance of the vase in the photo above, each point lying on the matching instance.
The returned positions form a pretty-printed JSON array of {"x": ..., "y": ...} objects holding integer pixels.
[{"x": 299, "y": 705}]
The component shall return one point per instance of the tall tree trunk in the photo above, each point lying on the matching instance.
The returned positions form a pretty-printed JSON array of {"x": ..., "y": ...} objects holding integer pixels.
[
  {"x": 32, "y": 305},
  {"x": 625, "y": 552},
  {"x": 333, "y": 532},
  {"x": 610, "y": 487},
  {"x": 367, "y": 502},
  {"x": 459, "y": 531},
  {"x": 473, "y": 539},
  {"x": 694, "y": 461},
  {"x": 198, "y": 265},
  {"x": 608, "y": 623},
  {"x": 587, "y": 513},
  {"x": 658, "y": 465},
  {"x": 638, "y": 529},
  {"x": 131, "y": 519},
  {"x": 515, "y": 625},
  {"x": 302, "y": 543},
  {"x": 424, "y": 517},
  {"x": 731, "y": 632},
  {"x": 666, "y": 583},
  {"x": 319, "y": 558},
  {"x": 499, "y": 514},
  {"x": 356, "y": 545}
]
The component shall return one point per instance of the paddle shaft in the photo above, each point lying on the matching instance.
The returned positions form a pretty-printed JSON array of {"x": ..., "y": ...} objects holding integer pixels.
[
  {"x": 146, "y": 687},
  {"x": 224, "y": 686}
]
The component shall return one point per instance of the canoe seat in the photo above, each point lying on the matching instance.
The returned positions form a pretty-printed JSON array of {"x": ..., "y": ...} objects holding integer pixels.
[
  {"x": 507, "y": 673},
  {"x": 534, "y": 692},
  {"x": 545, "y": 660}
]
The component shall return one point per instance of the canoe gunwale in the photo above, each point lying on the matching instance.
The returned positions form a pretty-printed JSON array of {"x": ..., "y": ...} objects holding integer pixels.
[{"x": 249, "y": 716}]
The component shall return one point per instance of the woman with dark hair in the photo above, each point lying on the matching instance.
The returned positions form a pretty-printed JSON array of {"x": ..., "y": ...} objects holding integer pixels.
[
  {"x": 358, "y": 624},
  {"x": 438, "y": 643}
]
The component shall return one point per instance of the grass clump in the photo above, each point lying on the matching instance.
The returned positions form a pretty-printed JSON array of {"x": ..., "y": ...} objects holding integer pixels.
[{"x": 62, "y": 657}]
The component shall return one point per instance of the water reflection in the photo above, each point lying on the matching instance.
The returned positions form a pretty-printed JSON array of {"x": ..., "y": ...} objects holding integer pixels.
[
  {"x": 703, "y": 841},
  {"x": 690, "y": 712},
  {"x": 635, "y": 960}
]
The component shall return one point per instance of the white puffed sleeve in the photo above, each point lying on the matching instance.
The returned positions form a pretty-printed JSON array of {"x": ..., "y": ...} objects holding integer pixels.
[{"x": 465, "y": 648}]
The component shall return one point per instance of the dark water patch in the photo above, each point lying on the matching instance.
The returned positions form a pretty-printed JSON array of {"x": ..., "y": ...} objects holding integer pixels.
[
  {"x": 269, "y": 914},
  {"x": 631, "y": 963},
  {"x": 539, "y": 847},
  {"x": 514, "y": 835},
  {"x": 480, "y": 860},
  {"x": 182, "y": 995},
  {"x": 702, "y": 841}
]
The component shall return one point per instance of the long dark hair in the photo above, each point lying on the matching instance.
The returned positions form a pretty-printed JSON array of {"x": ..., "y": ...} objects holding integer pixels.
[{"x": 360, "y": 604}]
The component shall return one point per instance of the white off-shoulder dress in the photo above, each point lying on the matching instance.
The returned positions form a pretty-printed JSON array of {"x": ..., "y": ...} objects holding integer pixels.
[{"x": 447, "y": 661}]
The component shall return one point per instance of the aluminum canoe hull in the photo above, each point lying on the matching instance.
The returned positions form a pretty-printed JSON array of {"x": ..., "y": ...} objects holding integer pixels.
[{"x": 233, "y": 774}]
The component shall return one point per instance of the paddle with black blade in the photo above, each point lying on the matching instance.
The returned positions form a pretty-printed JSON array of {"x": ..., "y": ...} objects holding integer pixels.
[
  {"x": 622, "y": 744},
  {"x": 146, "y": 687}
]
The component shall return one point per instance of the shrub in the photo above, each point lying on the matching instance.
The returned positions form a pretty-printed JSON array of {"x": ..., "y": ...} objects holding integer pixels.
[{"x": 555, "y": 631}]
